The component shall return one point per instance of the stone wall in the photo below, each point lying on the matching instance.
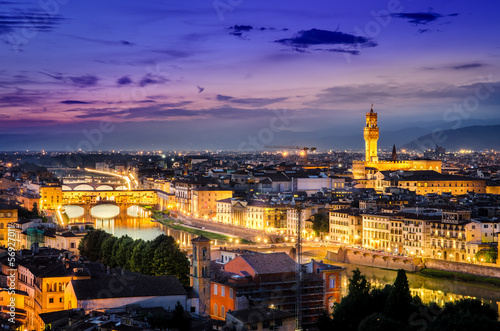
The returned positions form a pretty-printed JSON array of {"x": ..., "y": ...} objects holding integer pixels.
[
  {"x": 465, "y": 268},
  {"x": 372, "y": 259},
  {"x": 354, "y": 256}
]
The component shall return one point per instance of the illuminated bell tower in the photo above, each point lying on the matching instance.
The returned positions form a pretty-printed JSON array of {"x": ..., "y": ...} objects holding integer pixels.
[
  {"x": 200, "y": 273},
  {"x": 371, "y": 136}
]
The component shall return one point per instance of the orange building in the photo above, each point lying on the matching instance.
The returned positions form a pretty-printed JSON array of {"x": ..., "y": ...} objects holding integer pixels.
[
  {"x": 332, "y": 276},
  {"x": 269, "y": 280}
]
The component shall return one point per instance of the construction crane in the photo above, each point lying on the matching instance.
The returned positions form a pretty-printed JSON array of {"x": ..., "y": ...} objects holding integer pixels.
[{"x": 303, "y": 151}]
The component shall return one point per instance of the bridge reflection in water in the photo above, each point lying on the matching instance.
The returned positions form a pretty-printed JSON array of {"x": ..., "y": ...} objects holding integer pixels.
[{"x": 120, "y": 220}]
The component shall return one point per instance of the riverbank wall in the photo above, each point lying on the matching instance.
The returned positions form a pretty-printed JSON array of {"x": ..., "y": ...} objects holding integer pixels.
[
  {"x": 374, "y": 259},
  {"x": 464, "y": 268},
  {"x": 386, "y": 261}
]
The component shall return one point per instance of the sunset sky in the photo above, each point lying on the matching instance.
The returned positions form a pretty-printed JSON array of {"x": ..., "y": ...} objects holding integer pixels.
[{"x": 209, "y": 74}]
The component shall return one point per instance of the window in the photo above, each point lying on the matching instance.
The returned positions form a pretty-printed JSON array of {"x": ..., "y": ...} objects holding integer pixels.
[
  {"x": 61, "y": 299},
  {"x": 215, "y": 289},
  {"x": 215, "y": 309},
  {"x": 223, "y": 292},
  {"x": 51, "y": 300},
  {"x": 332, "y": 281},
  {"x": 231, "y": 293},
  {"x": 222, "y": 312}
]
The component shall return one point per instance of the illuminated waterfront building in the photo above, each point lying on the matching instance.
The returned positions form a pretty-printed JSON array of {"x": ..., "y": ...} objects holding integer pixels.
[
  {"x": 204, "y": 200},
  {"x": 346, "y": 226}
]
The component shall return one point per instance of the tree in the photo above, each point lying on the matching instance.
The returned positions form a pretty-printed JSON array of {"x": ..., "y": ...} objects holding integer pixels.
[
  {"x": 355, "y": 306},
  {"x": 380, "y": 322},
  {"x": 90, "y": 245},
  {"x": 487, "y": 255},
  {"x": 321, "y": 223},
  {"x": 399, "y": 303},
  {"x": 179, "y": 321},
  {"x": 358, "y": 285},
  {"x": 124, "y": 253},
  {"x": 136, "y": 260},
  {"x": 169, "y": 260},
  {"x": 106, "y": 255},
  {"x": 466, "y": 314},
  {"x": 34, "y": 210}
]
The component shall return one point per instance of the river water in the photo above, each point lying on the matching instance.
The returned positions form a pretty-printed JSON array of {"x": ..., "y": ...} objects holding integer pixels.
[{"x": 136, "y": 223}]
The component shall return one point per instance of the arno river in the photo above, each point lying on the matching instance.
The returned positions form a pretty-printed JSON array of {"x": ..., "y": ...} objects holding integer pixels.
[{"x": 136, "y": 223}]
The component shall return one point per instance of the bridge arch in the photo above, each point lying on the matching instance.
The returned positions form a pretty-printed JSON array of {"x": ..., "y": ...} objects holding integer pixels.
[
  {"x": 66, "y": 188},
  {"x": 74, "y": 211},
  {"x": 104, "y": 188},
  {"x": 121, "y": 188},
  {"x": 105, "y": 211},
  {"x": 83, "y": 187}
]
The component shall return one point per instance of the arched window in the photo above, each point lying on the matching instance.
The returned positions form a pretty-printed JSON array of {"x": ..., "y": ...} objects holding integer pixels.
[
  {"x": 1, "y": 225},
  {"x": 222, "y": 312},
  {"x": 331, "y": 281},
  {"x": 204, "y": 252},
  {"x": 215, "y": 309}
]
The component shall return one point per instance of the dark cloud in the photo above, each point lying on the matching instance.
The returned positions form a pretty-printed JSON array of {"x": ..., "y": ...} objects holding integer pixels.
[
  {"x": 173, "y": 53},
  {"x": 462, "y": 66},
  {"x": 467, "y": 66},
  {"x": 168, "y": 111},
  {"x": 221, "y": 97},
  {"x": 104, "y": 42},
  {"x": 75, "y": 102},
  {"x": 349, "y": 43},
  {"x": 32, "y": 20},
  {"x": 243, "y": 30},
  {"x": 423, "y": 31},
  {"x": 150, "y": 79},
  {"x": 80, "y": 81},
  {"x": 421, "y": 18},
  {"x": 84, "y": 81},
  {"x": 252, "y": 102},
  {"x": 125, "y": 80},
  {"x": 238, "y": 30},
  {"x": 21, "y": 98}
]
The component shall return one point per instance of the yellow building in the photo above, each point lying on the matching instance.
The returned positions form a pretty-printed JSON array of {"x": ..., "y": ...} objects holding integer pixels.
[
  {"x": 8, "y": 215},
  {"x": 204, "y": 200},
  {"x": 360, "y": 169},
  {"x": 346, "y": 226},
  {"x": 148, "y": 197},
  {"x": 44, "y": 281},
  {"x": 253, "y": 214},
  {"x": 371, "y": 134},
  {"x": 377, "y": 231},
  {"x": 425, "y": 182},
  {"x": 51, "y": 197}
]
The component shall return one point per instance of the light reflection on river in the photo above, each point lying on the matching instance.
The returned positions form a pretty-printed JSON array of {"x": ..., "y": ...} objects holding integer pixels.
[
  {"x": 134, "y": 222},
  {"x": 429, "y": 289}
]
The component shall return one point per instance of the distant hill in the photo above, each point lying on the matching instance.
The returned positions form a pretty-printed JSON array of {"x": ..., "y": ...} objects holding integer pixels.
[{"x": 471, "y": 137}]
